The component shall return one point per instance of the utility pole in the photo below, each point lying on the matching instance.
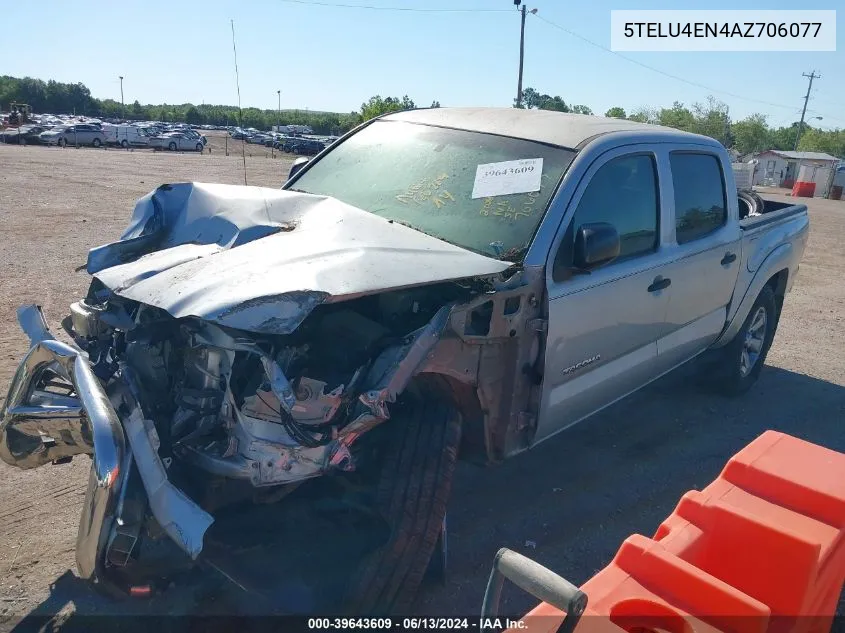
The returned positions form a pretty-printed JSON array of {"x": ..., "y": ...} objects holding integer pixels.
[
  {"x": 278, "y": 124},
  {"x": 522, "y": 12},
  {"x": 811, "y": 76},
  {"x": 122, "y": 107}
]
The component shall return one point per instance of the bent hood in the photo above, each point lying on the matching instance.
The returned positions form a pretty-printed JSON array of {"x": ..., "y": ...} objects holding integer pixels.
[{"x": 262, "y": 259}]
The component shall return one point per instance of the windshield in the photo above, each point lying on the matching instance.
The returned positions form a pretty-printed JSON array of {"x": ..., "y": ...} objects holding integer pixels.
[{"x": 482, "y": 192}]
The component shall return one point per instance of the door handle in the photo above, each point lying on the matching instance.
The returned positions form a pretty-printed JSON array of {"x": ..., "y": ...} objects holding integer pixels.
[
  {"x": 729, "y": 258},
  {"x": 659, "y": 283}
]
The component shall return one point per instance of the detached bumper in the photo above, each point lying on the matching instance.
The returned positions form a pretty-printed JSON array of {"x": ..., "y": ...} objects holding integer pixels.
[{"x": 40, "y": 423}]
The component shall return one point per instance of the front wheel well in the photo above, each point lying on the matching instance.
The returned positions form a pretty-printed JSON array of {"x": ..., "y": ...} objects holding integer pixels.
[{"x": 464, "y": 397}]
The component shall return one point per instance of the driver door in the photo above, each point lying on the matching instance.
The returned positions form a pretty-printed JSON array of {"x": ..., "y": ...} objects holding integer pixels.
[{"x": 604, "y": 325}]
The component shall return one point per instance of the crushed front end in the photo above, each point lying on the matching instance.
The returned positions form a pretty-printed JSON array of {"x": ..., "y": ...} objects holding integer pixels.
[
  {"x": 232, "y": 358},
  {"x": 175, "y": 405}
]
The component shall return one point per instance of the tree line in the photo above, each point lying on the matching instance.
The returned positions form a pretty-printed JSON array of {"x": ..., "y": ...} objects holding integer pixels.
[
  {"x": 711, "y": 118},
  {"x": 75, "y": 98}
]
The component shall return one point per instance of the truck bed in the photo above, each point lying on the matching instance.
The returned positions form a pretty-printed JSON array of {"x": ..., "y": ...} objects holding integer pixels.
[{"x": 773, "y": 211}]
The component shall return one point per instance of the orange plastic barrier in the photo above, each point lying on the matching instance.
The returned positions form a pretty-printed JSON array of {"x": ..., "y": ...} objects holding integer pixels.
[
  {"x": 804, "y": 189},
  {"x": 759, "y": 550}
]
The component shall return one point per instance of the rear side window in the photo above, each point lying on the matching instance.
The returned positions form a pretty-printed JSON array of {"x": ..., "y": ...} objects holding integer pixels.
[{"x": 700, "y": 200}]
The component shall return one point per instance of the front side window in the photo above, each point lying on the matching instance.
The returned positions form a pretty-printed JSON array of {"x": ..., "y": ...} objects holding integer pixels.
[
  {"x": 425, "y": 177},
  {"x": 700, "y": 200},
  {"x": 624, "y": 193}
]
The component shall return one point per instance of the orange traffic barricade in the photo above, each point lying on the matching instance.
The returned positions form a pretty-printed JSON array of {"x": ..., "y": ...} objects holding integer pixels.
[{"x": 759, "y": 550}]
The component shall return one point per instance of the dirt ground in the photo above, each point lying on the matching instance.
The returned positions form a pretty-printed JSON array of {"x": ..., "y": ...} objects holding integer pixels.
[
  {"x": 568, "y": 504},
  {"x": 220, "y": 143}
]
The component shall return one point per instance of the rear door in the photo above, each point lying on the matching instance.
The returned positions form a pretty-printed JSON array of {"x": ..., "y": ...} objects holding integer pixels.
[
  {"x": 603, "y": 326},
  {"x": 707, "y": 243}
]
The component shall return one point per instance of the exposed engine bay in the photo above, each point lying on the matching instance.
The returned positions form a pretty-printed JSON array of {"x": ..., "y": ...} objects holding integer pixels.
[
  {"x": 265, "y": 409},
  {"x": 236, "y": 347}
]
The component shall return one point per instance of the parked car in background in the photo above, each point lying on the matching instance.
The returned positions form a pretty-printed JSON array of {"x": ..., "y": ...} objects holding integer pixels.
[
  {"x": 194, "y": 134},
  {"x": 258, "y": 139},
  {"x": 125, "y": 135},
  {"x": 24, "y": 135},
  {"x": 174, "y": 141},
  {"x": 280, "y": 142},
  {"x": 304, "y": 146},
  {"x": 76, "y": 134}
]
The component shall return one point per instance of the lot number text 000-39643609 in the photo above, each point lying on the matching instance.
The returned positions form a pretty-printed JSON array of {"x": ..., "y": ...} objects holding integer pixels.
[{"x": 508, "y": 177}]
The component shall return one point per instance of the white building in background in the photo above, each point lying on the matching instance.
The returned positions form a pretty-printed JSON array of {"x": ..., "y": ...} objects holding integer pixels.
[{"x": 779, "y": 168}]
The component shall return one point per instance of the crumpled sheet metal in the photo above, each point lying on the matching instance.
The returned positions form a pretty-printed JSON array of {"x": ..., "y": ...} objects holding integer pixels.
[
  {"x": 262, "y": 259},
  {"x": 400, "y": 364},
  {"x": 182, "y": 519}
]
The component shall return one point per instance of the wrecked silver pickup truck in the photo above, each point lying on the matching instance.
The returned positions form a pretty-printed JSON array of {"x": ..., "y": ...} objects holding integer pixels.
[{"x": 438, "y": 283}]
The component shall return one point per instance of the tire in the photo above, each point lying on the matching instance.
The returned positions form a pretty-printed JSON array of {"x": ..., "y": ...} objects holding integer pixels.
[
  {"x": 750, "y": 204},
  {"x": 200, "y": 147},
  {"x": 411, "y": 495},
  {"x": 740, "y": 362},
  {"x": 61, "y": 142},
  {"x": 172, "y": 146},
  {"x": 96, "y": 142},
  {"x": 124, "y": 143}
]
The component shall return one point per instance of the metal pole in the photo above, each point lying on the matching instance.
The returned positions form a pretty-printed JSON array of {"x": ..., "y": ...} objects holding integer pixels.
[
  {"x": 122, "y": 106},
  {"x": 521, "y": 57},
  {"x": 278, "y": 117},
  {"x": 811, "y": 76}
]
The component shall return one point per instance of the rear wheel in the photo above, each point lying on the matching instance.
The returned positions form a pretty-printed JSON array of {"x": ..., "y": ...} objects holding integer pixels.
[
  {"x": 124, "y": 143},
  {"x": 172, "y": 146},
  {"x": 411, "y": 494},
  {"x": 61, "y": 142},
  {"x": 96, "y": 142},
  {"x": 740, "y": 362}
]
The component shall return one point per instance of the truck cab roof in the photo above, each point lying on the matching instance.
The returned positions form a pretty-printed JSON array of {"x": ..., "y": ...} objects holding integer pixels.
[{"x": 570, "y": 131}]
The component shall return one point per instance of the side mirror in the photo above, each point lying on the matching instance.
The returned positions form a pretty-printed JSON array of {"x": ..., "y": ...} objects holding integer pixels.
[
  {"x": 297, "y": 166},
  {"x": 596, "y": 244}
]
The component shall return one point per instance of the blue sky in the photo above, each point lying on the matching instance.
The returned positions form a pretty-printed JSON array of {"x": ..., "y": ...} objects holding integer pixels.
[{"x": 334, "y": 58}]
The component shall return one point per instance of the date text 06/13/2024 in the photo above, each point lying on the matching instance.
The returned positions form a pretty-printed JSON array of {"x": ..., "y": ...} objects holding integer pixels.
[{"x": 491, "y": 625}]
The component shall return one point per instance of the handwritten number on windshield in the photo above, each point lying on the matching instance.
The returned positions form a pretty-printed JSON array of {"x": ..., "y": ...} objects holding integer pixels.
[{"x": 427, "y": 190}]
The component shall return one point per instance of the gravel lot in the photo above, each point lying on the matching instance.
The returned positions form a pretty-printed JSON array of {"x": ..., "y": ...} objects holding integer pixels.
[{"x": 575, "y": 498}]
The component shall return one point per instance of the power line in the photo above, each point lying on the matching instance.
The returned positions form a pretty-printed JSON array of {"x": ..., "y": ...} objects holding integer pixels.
[
  {"x": 409, "y": 9},
  {"x": 824, "y": 116},
  {"x": 662, "y": 72}
]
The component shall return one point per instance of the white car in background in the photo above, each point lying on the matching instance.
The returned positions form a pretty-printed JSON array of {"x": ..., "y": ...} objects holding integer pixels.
[
  {"x": 76, "y": 134},
  {"x": 177, "y": 141}
]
